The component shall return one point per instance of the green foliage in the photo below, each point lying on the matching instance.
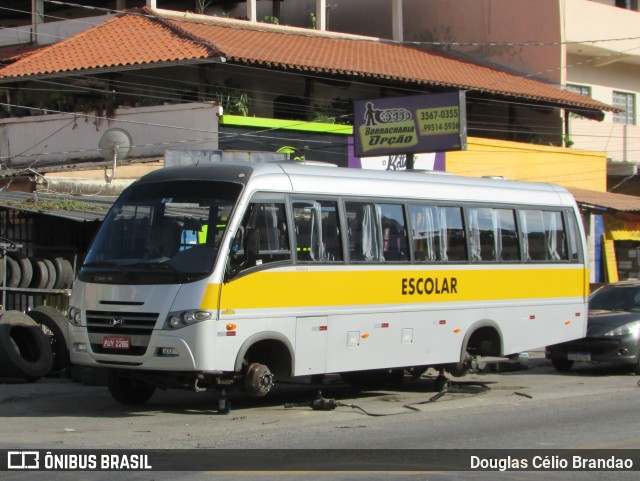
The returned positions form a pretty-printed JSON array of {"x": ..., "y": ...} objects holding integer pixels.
[
  {"x": 201, "y": 5},
  {"x": 52, "y": 204},
  {"x": 567, "y": 141},
  {"x": 338, "y": 111},
  {"x": 234, "y": 101}
]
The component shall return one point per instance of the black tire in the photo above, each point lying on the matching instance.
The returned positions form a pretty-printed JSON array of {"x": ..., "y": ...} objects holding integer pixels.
[
  {"x": 25, "y": 351},
  {"x": 26, "y": 269},
  {"x": 374, "y": 378},
  {"x": 56, "y": 327},
  {"x": 51, "y": 269},
  {"x": 67, "y": 273},
  {"x": 562, "y": 365},
  {"x": 458, "y": 369},
  {"x": 62, "y": 272},
  {"x": 40, "y": 277},
  {"x": 13, "y": 271},
  {"x": 126, "y": 390}
]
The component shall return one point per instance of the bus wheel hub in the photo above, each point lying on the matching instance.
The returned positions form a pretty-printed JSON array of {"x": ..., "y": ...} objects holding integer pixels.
[{"x": 258, "y": 380}]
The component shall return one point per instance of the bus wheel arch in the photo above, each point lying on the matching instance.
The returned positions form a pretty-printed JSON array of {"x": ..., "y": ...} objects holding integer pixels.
[
  {"x": 484, "y": 338},
  {"x": 261, "y": 359}
]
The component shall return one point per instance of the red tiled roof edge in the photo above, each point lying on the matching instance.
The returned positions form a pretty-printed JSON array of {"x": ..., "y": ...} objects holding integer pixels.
[{"x": 172, "y": 25}]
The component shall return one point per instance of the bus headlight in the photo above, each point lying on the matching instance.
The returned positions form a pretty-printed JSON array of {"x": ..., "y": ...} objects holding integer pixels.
[
  {"x": 75, "y": 316},
  {"x": 177, "y": 320}
]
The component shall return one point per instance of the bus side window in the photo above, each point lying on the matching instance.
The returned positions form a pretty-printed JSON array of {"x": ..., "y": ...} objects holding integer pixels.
[
  {"x": 574, "y": 238},
  {"x": 492, "y": 235},
  {"x": 365, "y": 231},
  {"x": 544, "y": 237},
  {"x": 555, "y": 236},
  {"x": 270, "y": 221},
  {"x": 316, "y": 231},
  {"x": 395, "y": 247},
  {"x": 437, "y": 233}
]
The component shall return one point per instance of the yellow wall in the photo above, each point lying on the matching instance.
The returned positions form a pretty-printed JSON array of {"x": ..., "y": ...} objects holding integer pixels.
[{"x": 536, "y": 163}]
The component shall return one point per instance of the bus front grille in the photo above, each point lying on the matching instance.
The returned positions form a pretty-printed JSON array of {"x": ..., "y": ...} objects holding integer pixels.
[{"x": 135, "y": 327}]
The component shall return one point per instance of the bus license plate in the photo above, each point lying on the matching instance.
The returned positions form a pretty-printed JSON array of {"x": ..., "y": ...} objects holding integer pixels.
[
  {"x": 579, "y": 356},
  {"x": 116, "y": 342}
]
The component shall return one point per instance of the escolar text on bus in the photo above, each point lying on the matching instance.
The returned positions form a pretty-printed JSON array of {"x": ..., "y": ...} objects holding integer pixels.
[{"x": 429, "y": 285}]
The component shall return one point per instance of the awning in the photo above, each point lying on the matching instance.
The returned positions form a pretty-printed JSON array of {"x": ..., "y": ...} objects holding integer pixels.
[{"x": 606, "y": 200}]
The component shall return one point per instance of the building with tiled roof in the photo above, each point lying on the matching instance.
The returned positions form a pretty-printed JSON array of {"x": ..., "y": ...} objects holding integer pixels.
[
  {"x": 145, "y": 37},
  {"x": 146, "y": 57}
]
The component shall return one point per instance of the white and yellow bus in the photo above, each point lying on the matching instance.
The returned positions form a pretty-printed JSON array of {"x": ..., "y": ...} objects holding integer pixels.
[{"x": 204, "y": 277}]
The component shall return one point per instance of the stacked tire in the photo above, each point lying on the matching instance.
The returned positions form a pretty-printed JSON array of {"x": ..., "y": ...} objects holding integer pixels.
[
  {"x": 50, "y": 272},
  {"x": 33, "y": 345}
]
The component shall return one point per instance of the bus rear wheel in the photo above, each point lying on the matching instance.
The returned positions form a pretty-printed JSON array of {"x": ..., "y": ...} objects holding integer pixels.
[
  {"x": 126, "y": 390},
  {"x": 562, "y": 365},
  {"x": 258, "y": 380}
]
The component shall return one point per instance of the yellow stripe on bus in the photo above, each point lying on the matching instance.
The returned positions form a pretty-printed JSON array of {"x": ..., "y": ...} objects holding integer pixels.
[{"x": 283, "y": 289}]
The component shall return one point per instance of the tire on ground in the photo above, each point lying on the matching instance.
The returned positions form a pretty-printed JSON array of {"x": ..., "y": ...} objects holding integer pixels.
[
  {"x": 25, "y": 351},
  {"x": 56, "y": 327},
  {"x": 126, "y": 390},
  {"x": 562, "y": 365},
  {"x": 374, "y": 378}
]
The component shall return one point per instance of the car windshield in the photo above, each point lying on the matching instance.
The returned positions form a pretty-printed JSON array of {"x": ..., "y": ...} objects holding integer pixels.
[
  {"x": 616, "y": 298},
  {"x": 162, "y": 233}
]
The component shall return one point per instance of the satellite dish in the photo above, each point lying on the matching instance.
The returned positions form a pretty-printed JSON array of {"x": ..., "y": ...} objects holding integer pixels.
[{"x": 114, "y": 144}]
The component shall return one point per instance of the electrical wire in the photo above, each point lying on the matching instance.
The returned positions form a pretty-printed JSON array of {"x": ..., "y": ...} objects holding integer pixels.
[
  {"x": 266, "y": 138},
  {"x": 399, "y": 42}
]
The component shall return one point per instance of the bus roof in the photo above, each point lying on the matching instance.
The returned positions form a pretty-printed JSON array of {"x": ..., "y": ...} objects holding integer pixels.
[{"x": 295, "y": 177}]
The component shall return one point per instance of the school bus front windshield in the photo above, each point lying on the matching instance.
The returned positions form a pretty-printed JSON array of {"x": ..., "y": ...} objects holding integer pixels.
[{"x": 161, "y": 233}]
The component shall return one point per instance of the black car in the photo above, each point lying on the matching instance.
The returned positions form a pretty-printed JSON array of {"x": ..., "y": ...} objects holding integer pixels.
[{"x": 613, "y": 330}]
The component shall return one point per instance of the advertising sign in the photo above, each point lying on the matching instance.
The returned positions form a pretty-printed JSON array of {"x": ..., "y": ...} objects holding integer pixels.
[{"x": 418, "y": 123}]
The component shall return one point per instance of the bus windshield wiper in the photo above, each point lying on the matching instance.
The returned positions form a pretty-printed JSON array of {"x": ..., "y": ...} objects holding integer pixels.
[
  {"x": 151, "y": 265},
  {"x": 113, "y": 264},
  {"x": 109, "y": 264}
]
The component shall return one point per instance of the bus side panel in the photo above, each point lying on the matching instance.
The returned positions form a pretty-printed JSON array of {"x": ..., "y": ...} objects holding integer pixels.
[{"x": 391, "y": 316}]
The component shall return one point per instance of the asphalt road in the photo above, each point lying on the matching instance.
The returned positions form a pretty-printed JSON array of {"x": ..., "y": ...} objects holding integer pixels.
[{"x": 592, "y": 407}]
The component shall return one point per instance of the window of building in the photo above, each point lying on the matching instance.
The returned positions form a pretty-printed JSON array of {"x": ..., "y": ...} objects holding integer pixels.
[
  {"x": 580, "y": 89},
  {"x": 627, "y": 4},
  {"x": 626, "y": 101}
]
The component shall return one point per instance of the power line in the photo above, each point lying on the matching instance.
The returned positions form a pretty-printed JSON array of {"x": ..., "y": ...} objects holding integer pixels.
[
  {"x": 536, "y": 74},
  {"x": 266, "y": 137},
  {"x": 399, "y": 42}
]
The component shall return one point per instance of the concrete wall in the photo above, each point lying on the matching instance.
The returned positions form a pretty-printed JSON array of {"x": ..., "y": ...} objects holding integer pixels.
[
  {"x": 47, "y": 139},
  {"x": 50, "y": 32},
  {"x": 517, "y": 161}
]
